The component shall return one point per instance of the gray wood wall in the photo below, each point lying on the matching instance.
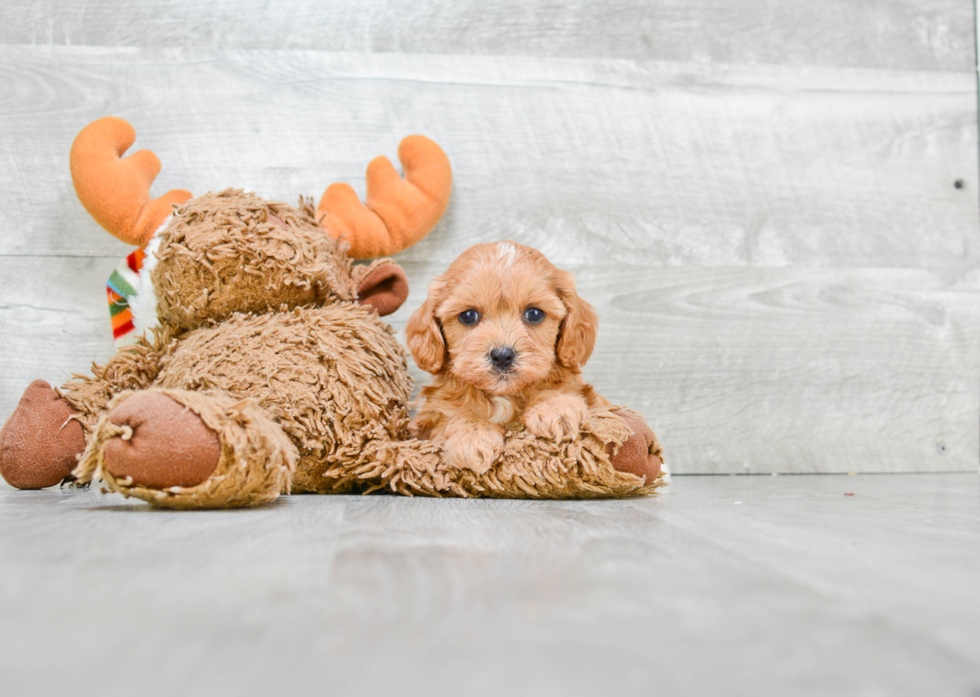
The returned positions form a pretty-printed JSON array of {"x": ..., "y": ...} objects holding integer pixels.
[{"x": 758, "y": 196}]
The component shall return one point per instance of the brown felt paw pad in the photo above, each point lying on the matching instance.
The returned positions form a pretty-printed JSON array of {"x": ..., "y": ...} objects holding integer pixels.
[
  {"x": 634, "y": 455},
  {"x": 168, "y": 445},
  {"x": 40, "y": 441}
]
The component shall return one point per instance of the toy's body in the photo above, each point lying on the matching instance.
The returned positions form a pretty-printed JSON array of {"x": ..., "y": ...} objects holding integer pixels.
[
  {"x": 270, "y": 370},
  {"x": 299, "y": 317}
]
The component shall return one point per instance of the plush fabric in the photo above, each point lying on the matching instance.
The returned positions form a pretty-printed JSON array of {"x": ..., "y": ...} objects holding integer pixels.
[
  {"x": 29, "y": 462},
  {"x": 115, "y": 190},
  {"x": 148, "y": 454},
  {"x": 397, "y": 209},
  {"x": 254, "y": 467}
]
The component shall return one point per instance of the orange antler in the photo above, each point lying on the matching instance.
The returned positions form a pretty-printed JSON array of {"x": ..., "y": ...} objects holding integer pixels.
[
  {"x": 399, "y": 212},
  {"x": 116, "y": 190}
]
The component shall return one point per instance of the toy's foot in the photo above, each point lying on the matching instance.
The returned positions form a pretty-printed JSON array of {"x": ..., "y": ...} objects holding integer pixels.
[
  {"x": 634, "y": 455},
  {"x": 166, "y": 443},
  {"x": 40, "y": 442},
  {"x": 180, "y": 449}
]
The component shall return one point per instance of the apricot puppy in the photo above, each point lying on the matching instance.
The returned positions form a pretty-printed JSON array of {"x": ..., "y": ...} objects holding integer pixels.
[{"x": 505, "y": 335}]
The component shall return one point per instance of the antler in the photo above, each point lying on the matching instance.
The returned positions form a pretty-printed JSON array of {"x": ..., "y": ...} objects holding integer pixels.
[
  {"x": 116, "y": 190},
  {"x": 399, "y": 212}
]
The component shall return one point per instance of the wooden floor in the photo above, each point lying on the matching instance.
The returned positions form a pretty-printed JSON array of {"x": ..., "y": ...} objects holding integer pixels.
[{"x": 722, "y": 586}]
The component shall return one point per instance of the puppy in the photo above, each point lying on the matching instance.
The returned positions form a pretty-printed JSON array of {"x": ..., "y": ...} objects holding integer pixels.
[{"x": 505, "y": 335}]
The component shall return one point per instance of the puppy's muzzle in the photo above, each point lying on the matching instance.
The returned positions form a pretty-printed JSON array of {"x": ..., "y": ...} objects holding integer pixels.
[{"x": 503, "y": 359}]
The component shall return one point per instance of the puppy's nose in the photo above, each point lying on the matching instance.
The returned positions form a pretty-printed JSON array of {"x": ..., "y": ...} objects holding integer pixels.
[{"x": 503, "y": 358}]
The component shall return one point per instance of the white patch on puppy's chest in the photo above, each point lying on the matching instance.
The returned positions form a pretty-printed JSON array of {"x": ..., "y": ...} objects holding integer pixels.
[{"x": 503, "y": 411}]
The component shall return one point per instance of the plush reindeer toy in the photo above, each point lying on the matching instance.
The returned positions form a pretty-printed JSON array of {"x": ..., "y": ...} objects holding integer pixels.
[{"x": 253, "y": 360}]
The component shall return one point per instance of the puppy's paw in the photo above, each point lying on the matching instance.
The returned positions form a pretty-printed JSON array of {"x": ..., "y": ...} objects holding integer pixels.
[
  {"x": 475, "y": 450},
  {"x": 559, "y": 417}
]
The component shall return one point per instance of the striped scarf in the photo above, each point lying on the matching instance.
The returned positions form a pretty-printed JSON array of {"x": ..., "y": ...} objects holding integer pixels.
[{"x": 132, "y": 302}]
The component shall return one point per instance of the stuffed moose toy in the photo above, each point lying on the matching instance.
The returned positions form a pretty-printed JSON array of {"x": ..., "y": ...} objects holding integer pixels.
[{"x": 253, "y": 361}]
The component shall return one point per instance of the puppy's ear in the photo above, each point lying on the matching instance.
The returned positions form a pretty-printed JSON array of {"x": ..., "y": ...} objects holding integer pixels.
[
  {"x": 576, "y": 337},
  {"x": 423, "y": 333}
]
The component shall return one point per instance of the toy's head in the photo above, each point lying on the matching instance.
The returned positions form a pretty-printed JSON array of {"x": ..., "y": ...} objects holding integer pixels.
[
  {"x": 217, "y": 254},
  {"x": 235, "y": 252}
]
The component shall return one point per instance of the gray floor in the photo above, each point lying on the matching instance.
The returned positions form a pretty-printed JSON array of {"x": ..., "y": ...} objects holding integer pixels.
[{"x": 724, "y": 585}]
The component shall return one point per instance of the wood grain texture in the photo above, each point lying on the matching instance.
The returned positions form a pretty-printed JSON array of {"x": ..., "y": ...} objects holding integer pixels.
[
  {"x": 53, "y": 321},
  {"x": 893, "y": 34},
  {"x": 651, "y": 164},
  {"x": 738, "y": 586}
]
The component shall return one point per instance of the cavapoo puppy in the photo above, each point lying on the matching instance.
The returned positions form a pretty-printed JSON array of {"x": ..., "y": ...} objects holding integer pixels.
[{"x": 505, "y": 335}]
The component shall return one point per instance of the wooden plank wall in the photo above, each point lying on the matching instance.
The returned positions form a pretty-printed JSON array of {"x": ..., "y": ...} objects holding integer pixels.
[{"x": 773, "y": 204}]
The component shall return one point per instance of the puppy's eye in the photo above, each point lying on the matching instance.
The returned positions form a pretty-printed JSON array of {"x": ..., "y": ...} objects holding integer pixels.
[
  {"x": 469, "y": 317},
  {"x": 533, "y": 315}
]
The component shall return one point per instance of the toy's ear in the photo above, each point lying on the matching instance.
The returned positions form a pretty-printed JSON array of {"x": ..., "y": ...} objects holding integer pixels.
[
  {"x": 116, "y": 190},
  {"x": 399, "y": 212},
  {"x": 384, "y": 287}
]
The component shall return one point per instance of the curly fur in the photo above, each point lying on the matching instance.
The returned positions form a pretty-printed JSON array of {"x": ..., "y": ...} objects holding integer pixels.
[
  {"x": 472, "y": 401},
  {"x": 234, "y": 252}
]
